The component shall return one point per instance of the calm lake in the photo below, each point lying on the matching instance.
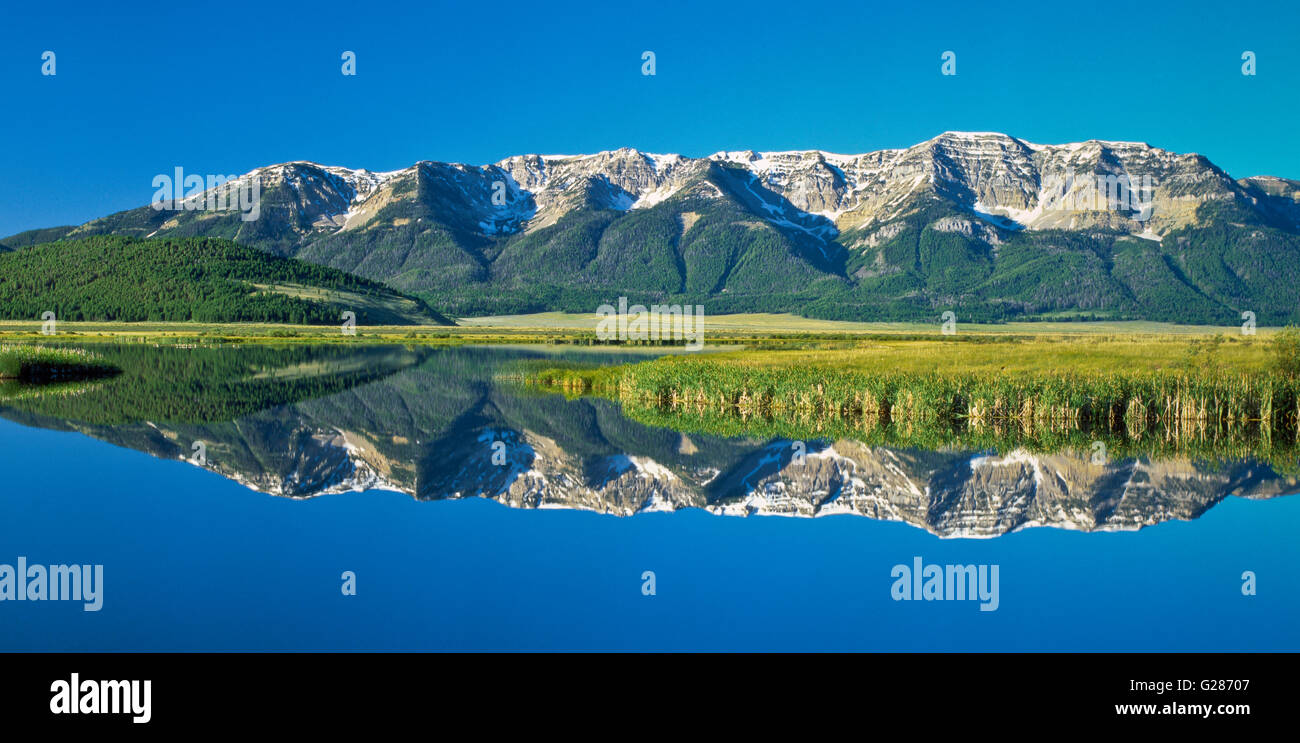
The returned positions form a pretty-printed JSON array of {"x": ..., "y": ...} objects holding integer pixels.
[{"x": 377, "y": 498}]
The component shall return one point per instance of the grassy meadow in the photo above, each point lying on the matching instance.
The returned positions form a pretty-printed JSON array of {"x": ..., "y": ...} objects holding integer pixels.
[
  {"x": 764, "y": 324},
  {"x": 759, "y": 330}
]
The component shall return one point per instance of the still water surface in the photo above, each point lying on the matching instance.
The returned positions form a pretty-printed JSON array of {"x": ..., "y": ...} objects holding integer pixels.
[{"x": 476, "y": 515}]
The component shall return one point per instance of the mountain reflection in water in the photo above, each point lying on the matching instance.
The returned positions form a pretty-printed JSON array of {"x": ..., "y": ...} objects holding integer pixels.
[{"x": 306, "y": 421}]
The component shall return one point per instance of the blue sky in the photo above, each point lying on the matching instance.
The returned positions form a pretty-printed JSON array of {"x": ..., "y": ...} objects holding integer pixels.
[{"x": 216, "y": 91}]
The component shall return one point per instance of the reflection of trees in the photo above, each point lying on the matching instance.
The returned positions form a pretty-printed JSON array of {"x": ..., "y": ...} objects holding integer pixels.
[{"x": 195, "y": 385}]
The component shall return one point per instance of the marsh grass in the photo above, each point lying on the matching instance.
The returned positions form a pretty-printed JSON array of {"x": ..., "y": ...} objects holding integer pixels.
[
  {"x": 1211, "y": 399},
  {"x": 573, "y": 379},
  {"x": 42, "y": 364}
]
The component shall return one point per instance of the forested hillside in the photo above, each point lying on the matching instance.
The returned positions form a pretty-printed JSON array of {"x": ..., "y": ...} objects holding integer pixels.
[{"x": 200, "y": 279}]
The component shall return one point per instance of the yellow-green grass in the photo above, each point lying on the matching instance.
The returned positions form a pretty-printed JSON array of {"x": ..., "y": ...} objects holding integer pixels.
[
  {"x": 191, "y": 332},
  {"x": 768, "y": 323},
  {"x": 1013, "y": 355},
  {"x": 1032, "y": 391},
  {"x": 766, "y": 331},
  {"x": 31, "y": 363},
  {"x": 382, "y": 309},
  {"x": 1008, "y": 356}
]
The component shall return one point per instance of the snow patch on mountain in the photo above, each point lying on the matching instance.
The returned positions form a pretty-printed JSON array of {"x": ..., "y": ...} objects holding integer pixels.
[{"x": 815, "y": 193}]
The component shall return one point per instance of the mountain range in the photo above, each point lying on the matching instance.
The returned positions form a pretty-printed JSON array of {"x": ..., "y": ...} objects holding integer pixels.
[{"x": 986, "y": 224}]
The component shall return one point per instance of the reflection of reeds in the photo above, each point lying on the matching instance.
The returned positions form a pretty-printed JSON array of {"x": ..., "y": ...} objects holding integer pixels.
[
  {"x": 1210, "y": 414},
  {"x": 14, "y": 391}
]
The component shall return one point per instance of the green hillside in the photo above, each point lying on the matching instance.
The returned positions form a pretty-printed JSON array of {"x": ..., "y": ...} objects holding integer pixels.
[{"x": 190, "y": 279}]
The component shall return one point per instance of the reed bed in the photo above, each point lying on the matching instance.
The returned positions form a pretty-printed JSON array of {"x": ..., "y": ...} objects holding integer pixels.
[
  {"x": 1134, "y": 401},
  {"x": 32, "y": 363},
  {"x": 1211, "y": 414}
]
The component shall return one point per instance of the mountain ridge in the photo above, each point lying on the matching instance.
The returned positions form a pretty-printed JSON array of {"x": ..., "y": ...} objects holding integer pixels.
[{"x": 984, "y": 223}]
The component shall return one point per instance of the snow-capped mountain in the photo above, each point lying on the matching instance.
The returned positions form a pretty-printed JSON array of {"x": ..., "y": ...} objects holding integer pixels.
[
  {"x": 994, "y": 176},
  {"x": 958, "y": 221}
]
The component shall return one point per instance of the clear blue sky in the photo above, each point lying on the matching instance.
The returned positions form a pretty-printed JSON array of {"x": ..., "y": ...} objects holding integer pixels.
[{"x": 228, "y": 88}]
